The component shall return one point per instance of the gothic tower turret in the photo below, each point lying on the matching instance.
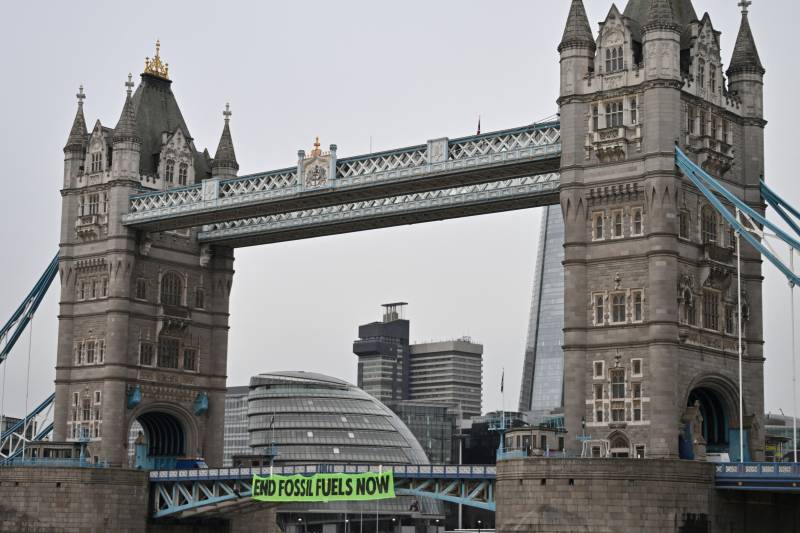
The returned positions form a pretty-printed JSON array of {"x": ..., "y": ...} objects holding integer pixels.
[
  {"x": 224, "y": 165},
  {"x": 75, "y": 149},
  {"x": 127, "y": 143}
]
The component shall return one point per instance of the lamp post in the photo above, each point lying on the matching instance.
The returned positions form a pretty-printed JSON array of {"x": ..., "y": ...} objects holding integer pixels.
[
  {"x": 480, "y": 523},
  {"x": 301, "y": 523},
  {"x": 394, "y": 524},
  {"x": 346, "y": 525}
]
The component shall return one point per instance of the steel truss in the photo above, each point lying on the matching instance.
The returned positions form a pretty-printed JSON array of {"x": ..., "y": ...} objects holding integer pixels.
[
  {"x": 36, "y": 426},
  {"x": 403, "y": 209},
  {"x": 442, "y": 162},
  {"x": 185, "y": 493}
]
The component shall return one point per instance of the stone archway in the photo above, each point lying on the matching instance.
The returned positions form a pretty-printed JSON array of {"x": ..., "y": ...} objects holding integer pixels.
[
  {"x": 710, "y": 415},
  {"x": 619, "y": 445},
  {"x": 160, "y": 434}
]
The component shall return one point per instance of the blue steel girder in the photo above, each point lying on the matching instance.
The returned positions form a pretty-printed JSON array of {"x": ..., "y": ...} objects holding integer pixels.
[
  {"x": 185, "y": 493},
  {"x": 493, "y": 156},
  {"x": 35, "y": 426},
  {"x": 467, "y": 200},
  {"x": 761, "y": 477}
]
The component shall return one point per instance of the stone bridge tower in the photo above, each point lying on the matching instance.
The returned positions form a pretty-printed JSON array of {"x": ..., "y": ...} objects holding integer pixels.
[
  {"x": 651, "y": 315},
  {"x": 143, "y": 323}
]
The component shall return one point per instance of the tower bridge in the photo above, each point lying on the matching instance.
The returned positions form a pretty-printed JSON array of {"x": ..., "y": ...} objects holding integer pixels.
[{"x": 656, "y": 161}]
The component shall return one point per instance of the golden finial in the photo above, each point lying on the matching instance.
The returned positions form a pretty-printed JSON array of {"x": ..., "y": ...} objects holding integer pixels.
[
  {"x": 316, "y": 150},
  {"x": 155, "y": 66}
]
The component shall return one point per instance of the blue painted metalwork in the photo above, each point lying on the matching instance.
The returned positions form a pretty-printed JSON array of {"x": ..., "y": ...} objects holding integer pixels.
[
  {"x": 11, "y": 440},
  {"x": 705, "y": 183},
  {"x": 134, "y": 396},
  {"x": 781, "y": 206},
  {"x": 22, "y": 316},
  {"x": 78, "y": 462},
  {"x": 200, "y": 403},
  {"x": 770, "y": 477},
  {"x": 528, "y": 190},
  {"x": 177, "y": 492},
  {"x": 475, "y": 159}
]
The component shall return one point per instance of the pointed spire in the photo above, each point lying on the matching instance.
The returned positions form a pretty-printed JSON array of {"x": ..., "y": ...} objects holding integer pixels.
[
  {"x": 577, "y": 32},
  {"x": 660, "y": 17},
  {"x": 126, "y": 126},
  {"x": 225, "y": 156},
  {"x": 745, "y": 55},
  {"x": 78, "y": 133}
]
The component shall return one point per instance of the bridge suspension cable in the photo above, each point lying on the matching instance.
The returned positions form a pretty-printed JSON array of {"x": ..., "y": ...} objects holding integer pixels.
[
  {"x": 754, "y": 232},
  {"x": 22, "y": 316}
]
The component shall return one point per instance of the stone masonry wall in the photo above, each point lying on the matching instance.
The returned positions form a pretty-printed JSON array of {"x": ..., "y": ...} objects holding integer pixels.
[
  {"x": 603, "y": 495},
  {"x": 73, "y": 499}
]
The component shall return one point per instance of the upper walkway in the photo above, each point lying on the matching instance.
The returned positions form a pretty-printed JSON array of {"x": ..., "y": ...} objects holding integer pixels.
[{"x": 503, "y": 161}]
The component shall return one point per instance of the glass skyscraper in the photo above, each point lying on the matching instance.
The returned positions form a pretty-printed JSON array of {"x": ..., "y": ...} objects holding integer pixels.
[{"x": 542, "y": 388}]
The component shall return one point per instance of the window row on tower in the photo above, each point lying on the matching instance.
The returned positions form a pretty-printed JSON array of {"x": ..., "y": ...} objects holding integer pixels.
[
  {"x": 617, "y": 223},
  {"x": 617, "y": 392},
  {"x": 89, "y": 352},
  {"x": 91, "y": 288},
  {"x": 86, "y": 416},
  {"x": 615, "y": 113},
  {"x": 170, "y": 352},
  {"x": 617, "y": 307},
  {"x": 172, "y": 291}
]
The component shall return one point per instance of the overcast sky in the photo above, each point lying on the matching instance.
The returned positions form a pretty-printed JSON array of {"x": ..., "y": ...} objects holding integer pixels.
[{"x": 399, "y": 73}]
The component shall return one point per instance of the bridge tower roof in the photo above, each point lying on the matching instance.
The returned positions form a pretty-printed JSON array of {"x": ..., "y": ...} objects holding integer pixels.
[
  {"x": 78, "y": 134},
  {"x": 683, "y": 14},
  {"x": 577, "y": 31},
  {"x": 745, "y": 55}
]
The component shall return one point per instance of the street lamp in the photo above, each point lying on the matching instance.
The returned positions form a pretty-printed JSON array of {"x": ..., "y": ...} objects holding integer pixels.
[
  {"x": 300, "y": 522},
  {"x": 346, "y": 524},
  {"x": 480, "y": 522}
]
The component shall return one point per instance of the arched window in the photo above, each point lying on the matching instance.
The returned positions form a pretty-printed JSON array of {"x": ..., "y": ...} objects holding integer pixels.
[
  {"x": 171, "y": 289},
  {"x": 183, "y": 172},
  {"x": 709, "y": 224},
  {"x": 169, "y": 172}
]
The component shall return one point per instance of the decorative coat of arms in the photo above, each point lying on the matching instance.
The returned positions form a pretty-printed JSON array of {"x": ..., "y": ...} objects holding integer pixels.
[{"x": 316, "y": 167}]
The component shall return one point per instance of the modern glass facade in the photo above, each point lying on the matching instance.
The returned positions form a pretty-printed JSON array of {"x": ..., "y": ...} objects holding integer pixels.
[
  {"x": 319, "y": 419},
  {"x": 542, "y": 388},
  {"x": 236, "y": 438},
  {"x": 315, "y": 419},
  {"x": 448, "y": 373},
  {"x": 435, "y": 426}
]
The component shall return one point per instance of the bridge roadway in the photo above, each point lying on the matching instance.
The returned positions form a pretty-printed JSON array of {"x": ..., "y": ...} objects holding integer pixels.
[
  {"x": 187, "y": 493},
  {"x": 445, "y": 178}
]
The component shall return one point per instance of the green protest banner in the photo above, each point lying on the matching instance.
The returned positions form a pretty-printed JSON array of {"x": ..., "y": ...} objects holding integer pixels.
[{"x": 324, "y": 487}]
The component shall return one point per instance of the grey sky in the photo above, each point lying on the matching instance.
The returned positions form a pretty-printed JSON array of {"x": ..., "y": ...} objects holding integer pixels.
[{"x": 401, "y": 72}]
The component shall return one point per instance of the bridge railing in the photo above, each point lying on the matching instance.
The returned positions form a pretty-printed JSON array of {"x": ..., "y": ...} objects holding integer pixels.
[
  {"x": 758, "y": 470},
  {"x": 400, "y": 471},
  {"x": 528, "y": 143}
]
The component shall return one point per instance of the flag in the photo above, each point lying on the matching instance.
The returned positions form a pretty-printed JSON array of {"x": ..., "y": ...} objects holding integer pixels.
[
  {"x": 502, "y": 379},
  {"x": 479, "y": 125}
]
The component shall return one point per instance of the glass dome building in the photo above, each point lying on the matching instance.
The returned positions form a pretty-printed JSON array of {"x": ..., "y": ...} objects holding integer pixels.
[
  {"x": 310, "y": 418},
  {"x": 313, "y": 418}
]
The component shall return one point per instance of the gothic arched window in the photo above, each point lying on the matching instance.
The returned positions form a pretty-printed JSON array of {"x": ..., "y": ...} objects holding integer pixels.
[
  {"x": 183, "y": 171},
  {"x": 171, "y": 289},
  {"x": 169, "y": 171},
  {"x": 709, "y": 225}
]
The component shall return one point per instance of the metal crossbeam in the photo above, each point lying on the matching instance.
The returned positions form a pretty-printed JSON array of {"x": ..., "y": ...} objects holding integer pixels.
[
  {"x": 752, "y": 233},
  {"x": 483, "y": 158},
  {"x": 467, "y": 200},
  {"x": 762, "y": 477},
  {"x": 24, "y": 313},
  {"x": 35, "y": 426},
  {"x": 184, "y": 493}
]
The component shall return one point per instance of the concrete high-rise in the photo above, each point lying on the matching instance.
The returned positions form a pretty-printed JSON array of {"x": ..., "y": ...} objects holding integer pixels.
[
  {"x": 542, "y": 388},
  {"x": 448, "y": 372},
  {"x": 383, "y": 351}
]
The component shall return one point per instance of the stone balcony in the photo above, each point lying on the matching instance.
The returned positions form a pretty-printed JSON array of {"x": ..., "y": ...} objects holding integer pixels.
[
  {"x": 714, "y": 155},
  {"x": 615, "y": 143},
  {"x": 175, "y": 318},
  {"x": 91, "y": 226}
]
